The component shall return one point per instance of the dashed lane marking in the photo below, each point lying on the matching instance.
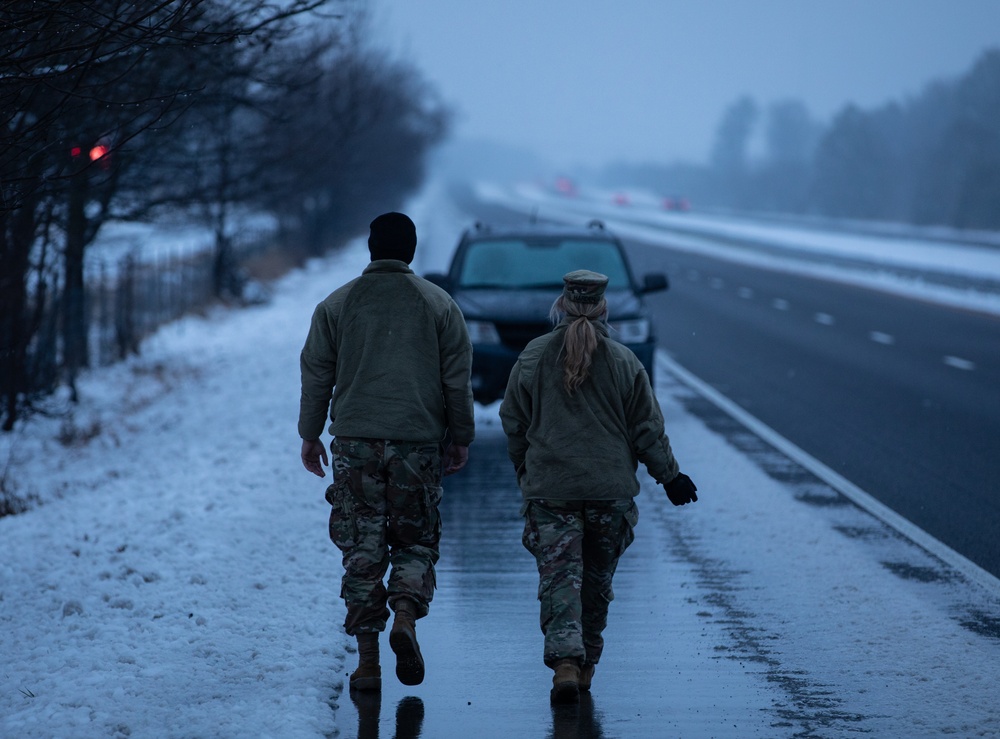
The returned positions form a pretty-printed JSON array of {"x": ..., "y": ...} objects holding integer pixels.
[
  {"x": 959, "y": 363},
  {"x": 834, "y": 479},
  {"x": 825, "y": 318},
  {"x": 881, "y": 338}
]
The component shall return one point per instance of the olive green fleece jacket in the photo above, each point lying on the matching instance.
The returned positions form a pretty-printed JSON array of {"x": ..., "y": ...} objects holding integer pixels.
[
  {"x": 584, "y": 446},
  {"x": 394, "y": 352}
]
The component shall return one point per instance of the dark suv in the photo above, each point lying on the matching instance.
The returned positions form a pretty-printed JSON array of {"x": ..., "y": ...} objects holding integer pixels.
[{"x": 505, "y": 281}]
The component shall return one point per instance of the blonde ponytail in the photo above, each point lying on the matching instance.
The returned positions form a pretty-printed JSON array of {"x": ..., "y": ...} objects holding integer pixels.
[{"x": 581, "y": 337}]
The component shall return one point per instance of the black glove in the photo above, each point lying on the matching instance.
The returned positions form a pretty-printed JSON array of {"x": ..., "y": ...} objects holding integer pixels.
[{"x": 681, "y": 490}]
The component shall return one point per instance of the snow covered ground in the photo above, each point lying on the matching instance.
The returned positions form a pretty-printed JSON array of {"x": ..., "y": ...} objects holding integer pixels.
[{"x": 175, "y": 578}]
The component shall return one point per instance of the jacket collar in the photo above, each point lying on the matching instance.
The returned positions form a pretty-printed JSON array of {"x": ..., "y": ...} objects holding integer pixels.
[{"x": 388, "y": 265}]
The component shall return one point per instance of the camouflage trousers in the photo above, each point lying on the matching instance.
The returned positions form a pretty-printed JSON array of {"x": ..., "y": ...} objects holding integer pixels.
[
  {"x": 384, "y": 499},
  {"x": 576, "y": 545}
]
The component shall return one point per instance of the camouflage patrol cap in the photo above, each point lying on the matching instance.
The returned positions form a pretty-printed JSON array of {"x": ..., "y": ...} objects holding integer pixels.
[{"x": 584, "y": 286}]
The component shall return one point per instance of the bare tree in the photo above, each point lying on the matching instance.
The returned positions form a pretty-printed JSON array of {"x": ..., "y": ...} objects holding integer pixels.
[
  {"x": 80, "y": 82},
  {"x": 359, "y": 142},
  {"x": 729, "y": 155}
]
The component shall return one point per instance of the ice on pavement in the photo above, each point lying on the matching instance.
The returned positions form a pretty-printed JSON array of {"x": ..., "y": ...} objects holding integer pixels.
[{"x": 175, "y": 577}]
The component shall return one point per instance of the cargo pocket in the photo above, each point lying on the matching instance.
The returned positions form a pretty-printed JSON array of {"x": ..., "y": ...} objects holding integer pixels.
[
  {"x": 343, "y": 525},
  {"x": 545, "y": 609},
  {"x": 630, "y": 517},
  {"x": 432, "y": 510},
  {"x": 529, "y": 538}
]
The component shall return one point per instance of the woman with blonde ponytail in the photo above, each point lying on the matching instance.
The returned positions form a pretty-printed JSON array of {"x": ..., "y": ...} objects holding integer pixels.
[
  {"x": 580, "y": 414},
  {"x": 586, "y": 323}
]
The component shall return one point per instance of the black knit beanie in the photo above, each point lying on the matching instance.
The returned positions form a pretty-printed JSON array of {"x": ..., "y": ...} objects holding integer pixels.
[{"x": 393, "y": 236}]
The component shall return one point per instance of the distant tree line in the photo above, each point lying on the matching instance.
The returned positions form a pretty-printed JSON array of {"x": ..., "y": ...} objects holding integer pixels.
[
  {"x": 932, "y": 159},
  {"x": 199, "y": 109}
]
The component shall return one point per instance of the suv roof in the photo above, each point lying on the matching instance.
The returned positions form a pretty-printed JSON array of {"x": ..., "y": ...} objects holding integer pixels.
[{"x": 594, "y": 228}]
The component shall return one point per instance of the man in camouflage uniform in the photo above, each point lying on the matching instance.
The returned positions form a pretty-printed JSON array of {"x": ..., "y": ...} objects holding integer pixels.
[
  {"x": 579, "y": 414},
  {"x": 393, "y": 352}
]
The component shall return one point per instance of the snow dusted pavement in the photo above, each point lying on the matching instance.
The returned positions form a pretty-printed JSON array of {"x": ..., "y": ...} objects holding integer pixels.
[{"x": 176, "y": 580}]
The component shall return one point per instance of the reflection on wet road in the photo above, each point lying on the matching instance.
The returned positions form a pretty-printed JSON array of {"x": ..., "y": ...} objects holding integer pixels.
[
  {"x": 483, "y": 647},
  {"x": 409, "y": 715}
]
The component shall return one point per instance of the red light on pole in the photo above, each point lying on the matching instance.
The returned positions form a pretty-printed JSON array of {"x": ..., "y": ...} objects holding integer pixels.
[{"x": 97, "y": 152}]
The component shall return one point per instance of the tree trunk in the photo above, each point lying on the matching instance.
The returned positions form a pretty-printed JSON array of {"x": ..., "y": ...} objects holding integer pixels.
[
  {"x": 74, "y": 318},
  {"x": 15, "y": 249}
]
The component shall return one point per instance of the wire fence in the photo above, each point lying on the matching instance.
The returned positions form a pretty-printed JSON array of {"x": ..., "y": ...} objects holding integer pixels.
[
  {"x": 131, "y": 298},
  {"x": 127, "y": 303},
  {"x": 127, "y": 298}
]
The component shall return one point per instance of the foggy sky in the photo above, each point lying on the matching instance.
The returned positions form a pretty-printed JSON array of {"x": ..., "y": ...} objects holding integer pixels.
[{"x": 591, "y": 81}]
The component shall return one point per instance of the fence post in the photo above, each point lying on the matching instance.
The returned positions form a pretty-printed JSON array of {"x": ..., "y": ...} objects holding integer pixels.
[{"x": 125, "y": 333}]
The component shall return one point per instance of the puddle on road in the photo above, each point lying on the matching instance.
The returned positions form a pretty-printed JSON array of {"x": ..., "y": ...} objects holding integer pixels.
[{"x": 409, "y": 715}]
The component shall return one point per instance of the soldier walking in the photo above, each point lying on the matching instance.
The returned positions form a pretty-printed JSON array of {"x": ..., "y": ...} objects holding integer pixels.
[
  {"x": 579, "y": 414},
  {"x": 388, "y": 358}
]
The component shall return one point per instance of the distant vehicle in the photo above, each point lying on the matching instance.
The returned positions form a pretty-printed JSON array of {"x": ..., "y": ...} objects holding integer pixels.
[
  {"x": 676, "y": 202},
  {"x": 505, "y": 281},
  {"x": 566, "y": 186}
]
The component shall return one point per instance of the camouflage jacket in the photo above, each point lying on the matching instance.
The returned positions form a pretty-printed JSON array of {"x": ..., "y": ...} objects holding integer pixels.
[
  {"x": 584, "y": 446},
  {"x": 393, "y": 352}
]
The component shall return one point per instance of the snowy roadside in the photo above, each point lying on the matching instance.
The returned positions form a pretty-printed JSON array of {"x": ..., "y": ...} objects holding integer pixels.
[{"x": 177, "y": 579}]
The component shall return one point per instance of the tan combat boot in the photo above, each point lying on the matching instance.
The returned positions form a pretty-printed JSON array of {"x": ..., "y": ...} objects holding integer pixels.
[
  {"x": 368, "y": 676},
  {"x": 403, "y": 640},
  {"x": 566, "y": 682},
  {"x": 586, "y": 676}
]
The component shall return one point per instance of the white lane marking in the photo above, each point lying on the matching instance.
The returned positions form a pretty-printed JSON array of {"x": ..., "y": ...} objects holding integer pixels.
[
  {"x": 880, "y": 338},
  {"x": 911, "y": 531},
  {"x": 959, "y": 363},
  {"x": 780, "y": 304},
  {"x": 825, "y": 318},
  {"x": 745, "y": 292}
]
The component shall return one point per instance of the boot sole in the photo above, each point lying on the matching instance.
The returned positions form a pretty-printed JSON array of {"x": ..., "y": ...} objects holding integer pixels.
[
  {"x": 409, "y": 662},
  {"x": 564, "y": 693}
]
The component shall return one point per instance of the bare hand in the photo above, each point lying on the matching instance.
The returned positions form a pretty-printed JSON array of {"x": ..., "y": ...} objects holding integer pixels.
[
  {"x": 455, "y": 457},
  {"x": 314, "y": 456}
]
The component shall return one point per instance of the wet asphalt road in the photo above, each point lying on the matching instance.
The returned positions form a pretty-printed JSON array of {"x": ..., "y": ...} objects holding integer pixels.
[
  {"x": 899, "y": 396},
  {"x": 482, "y": 644},
  {"x": 683, "y": 655}
]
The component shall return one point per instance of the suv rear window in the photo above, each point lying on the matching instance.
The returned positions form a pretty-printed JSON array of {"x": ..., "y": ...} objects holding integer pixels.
[{"x": 524, "y": 264}]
